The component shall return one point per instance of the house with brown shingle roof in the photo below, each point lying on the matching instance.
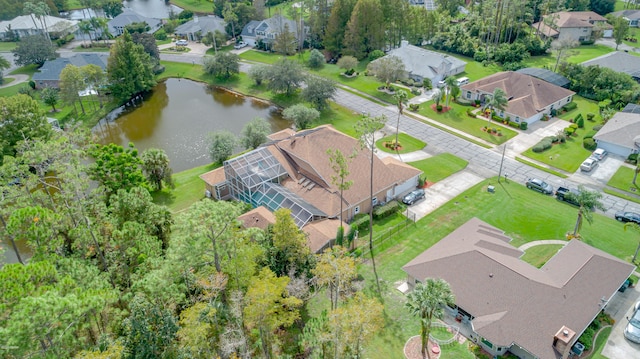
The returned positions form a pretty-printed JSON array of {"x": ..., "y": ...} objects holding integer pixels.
[
  {"x": 529, "y": 97},
  {"x": 293, "y": 171},
  {"x": 621, "y": 134},
  {"x": 509, "y": 305},
  {"x": 574, "y": 25}
]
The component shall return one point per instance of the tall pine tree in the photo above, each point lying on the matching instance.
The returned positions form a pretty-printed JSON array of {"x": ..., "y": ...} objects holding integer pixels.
[{"x": 129, "y": 69}]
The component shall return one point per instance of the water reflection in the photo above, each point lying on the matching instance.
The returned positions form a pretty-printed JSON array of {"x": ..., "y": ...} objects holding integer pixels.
[{"x": 157, "y": 9}]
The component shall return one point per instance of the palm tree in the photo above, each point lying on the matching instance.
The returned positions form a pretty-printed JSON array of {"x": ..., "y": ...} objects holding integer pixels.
[
  {"x": 450, "y": 83},
  {"x": 635, "y": 227},
  {"x": 587, "y": 201},
  {"x": 498, "y": 101},
  {"x": 427, "y": 302},
  {"x": 401, "y": 98},
  {"x": 437, "y": 96},
  {"x": 86, "y": 28}
]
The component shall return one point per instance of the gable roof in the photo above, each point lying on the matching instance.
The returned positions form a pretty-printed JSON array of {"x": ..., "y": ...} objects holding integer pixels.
[
  {"x": 129, "y": 16},
  {"x": 569, "y": 19},
  {"x": 26, "y": 22},
  {"x": 202, "y": 24},
  {"x": 51, "y": 69},
  {"x": 259, "y": 217},
  {"x": 627, "y": 14},
  {"x": 622, "y": 129},
  {"x": 617, "y": 61},
  {"x": 275, "y": 25},
  {"x": 527, "y": 95},
  {"x": 513, "y": 302},
  {"x": 425, "y": 63}
]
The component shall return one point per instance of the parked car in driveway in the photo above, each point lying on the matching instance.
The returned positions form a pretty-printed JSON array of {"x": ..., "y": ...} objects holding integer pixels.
[
  {"x": 182, "y": 43},
  {"x": 413, "y": 197},
  {"x": 628, "y": 217},
  {"x": 632, "y": 330},
  {"x": 539, "y": 185},
  {"x": 589, "y": 164},
  {"x": 240, "y": 45},
  {"x": 599, "y": 154}
]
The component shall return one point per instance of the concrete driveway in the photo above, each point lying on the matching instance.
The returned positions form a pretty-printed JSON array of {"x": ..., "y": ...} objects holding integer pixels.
[
  {"x": 620, "y": 307},
  {"x": 603, "y": 172}
]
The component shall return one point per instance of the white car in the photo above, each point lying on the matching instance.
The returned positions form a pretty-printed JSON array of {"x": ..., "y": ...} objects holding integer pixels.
[
  {"x": 632, "y": 330},
  {"x": 240, "y": 45},
  {"x": 182, "y": 43},
  {"x": 589, "y": 164},
  {"x": 599, "y": 154}
]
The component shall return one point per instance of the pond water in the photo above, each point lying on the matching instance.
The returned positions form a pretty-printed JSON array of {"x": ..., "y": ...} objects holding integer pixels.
[
  {"x": 178, "y": 116},
  {"x": 157, "y": 9}
]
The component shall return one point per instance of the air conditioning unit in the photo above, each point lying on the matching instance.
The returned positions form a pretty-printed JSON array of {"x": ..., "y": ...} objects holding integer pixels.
[{"x": 578, "y": 348}]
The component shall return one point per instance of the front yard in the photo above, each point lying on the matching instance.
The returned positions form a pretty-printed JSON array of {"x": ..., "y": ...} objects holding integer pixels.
[
  {"x": 623, "y": 180},
  {"x": 569, "y": 155},
  {"x": 439, "y": 167}
]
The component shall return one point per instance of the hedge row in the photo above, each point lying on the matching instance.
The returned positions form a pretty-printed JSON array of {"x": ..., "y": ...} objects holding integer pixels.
[{"x": 386, "y": 210}]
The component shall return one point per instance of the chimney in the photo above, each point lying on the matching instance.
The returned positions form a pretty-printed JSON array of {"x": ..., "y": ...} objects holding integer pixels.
[
  {"x": 404, "y": 43},
  {"x": 562, "y": 341}
]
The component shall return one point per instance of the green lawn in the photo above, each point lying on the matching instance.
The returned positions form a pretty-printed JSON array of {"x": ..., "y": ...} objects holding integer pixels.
[
  {"x": 407, "y": 143},
  {"x": 457, "y": 118},
  {"x": 440, "y": 333},
  {"x": 621, "y": 195},
  {"x": 7, "y": 46},
  {"x": 13, "y": 90},
  {"x": 600, "y": 342},
  {"x": 440, "y": 166},
  {"x": 197, "y": 6},
  {"x": 569, "y": 155},
  {"x": 578, "y": 55},
  {"x": 623, "y": 180},
  {"x": 7, "y": 80},
  {"x": 539, "y": 255},
  {"x": 189, "y": 188}
]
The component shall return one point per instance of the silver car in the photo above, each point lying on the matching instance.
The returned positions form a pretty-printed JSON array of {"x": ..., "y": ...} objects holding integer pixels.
[
  {"x": 632, "y": 330},
  {"x": 589, "y": 164}
]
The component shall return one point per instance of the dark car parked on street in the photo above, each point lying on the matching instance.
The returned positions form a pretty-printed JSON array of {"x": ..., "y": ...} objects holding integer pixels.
[
  {"x": 628, "y": 217},
  {"x": 413, "y": 197},
  {"x": 539, "y": 185}
]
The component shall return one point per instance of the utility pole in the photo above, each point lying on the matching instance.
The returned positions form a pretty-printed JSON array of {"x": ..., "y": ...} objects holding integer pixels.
[{"x": 502, "y": 162}]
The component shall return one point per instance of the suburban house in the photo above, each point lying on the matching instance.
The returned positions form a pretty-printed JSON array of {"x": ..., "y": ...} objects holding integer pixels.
[
  {"x": 26, "y": 25},
  {"x": 508, "y": 305},
  {"x": 127, "y": 17},
  {"x": 529, "y": 97},
  {"x": 546, "y": 75},
  {"x": 621, "y": 134},
  {"x": 293, "y": 171},
  {"x": 630, "y": 15},
  {"x": 575, "y": 25},
  {"x": 423, "y": 64},
  {"x": 49, "y": 74},
  {"x": 618, "y": 61},
  {"x": 199, "y": 26},
  {"x": 267, "y": 29}
]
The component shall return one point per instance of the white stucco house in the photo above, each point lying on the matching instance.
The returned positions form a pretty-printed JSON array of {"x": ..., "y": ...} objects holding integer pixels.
[
  {"x": 26, "y": 25},
  {"x": 575, "y": 25},
  {"x": 621, "y": 134},
  {"x": 267, "y": 29}
]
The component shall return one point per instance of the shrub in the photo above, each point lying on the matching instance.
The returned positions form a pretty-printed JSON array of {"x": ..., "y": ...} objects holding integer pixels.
[
  {"x": 580, "y": 122},
  {"x": 590, "y": 116},
  {"x": 422, "y": 180},
  {"x": 570, "y": 106},
  {"x": 349, "y": 72},
  {"x": 569, "y": 131},
  {"x": 414, "y": 107},
  {"x": 480, "y": 56},
  {"x": 574, "y": 126},
  {"x": 633, "y": 158},
  {"x": 553, "y": 112},
  {"x": 160, "y": 35},
  {"x": 514, "y": 124},
  {"x": 543, "y": 145},
  {"x": 597, "y": 127},
  {"x": 590, "y": 134},
  {"x": 589, "y": 144},
  {"x": 340, "y": 236},
  {"x": 375, "y": 54},
  {"x": 360, "y": 221},
  {"x": 524, "y": 125},
  {"x": 32, "y": 84},
  {"x": 316, "y": 59},
  {"x": 439, "y": 108},
  {"x": 426, "y": 83},
  {"x": 386, "y": 210},
  {"x": 470, "y": 113}
]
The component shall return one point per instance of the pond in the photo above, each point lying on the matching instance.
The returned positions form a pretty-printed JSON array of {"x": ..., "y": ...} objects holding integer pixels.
[
  {"x": 178, "y": 116},
  {"x": 157, "y": 9}
]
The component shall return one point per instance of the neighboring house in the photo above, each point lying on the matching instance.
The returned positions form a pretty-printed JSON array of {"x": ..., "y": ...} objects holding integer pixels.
[
  {"x": 618, "y": 61},
  {"x": 621, "y": 134},
  {"x": 117, "y": 24},
  {"x": 26, "y": 25},
  {"x": 293, "y": 171},
  {"x": 508, "y": 305},
  {"x": 199, "y": 26},
  {"x": 529, "y": 98},
  {"x": 267, "y": 29},
  {"x": 423, "y": 64},
  {"x": 49, "y": 74},
  {"x": 630, "y": 15},
  {"x": 576, "y": 25}
]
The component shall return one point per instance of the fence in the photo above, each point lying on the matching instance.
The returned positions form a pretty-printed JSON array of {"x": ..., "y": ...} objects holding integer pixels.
[
  {"x": 450, "y": 328},
  {"x": 384, "y": 240}
]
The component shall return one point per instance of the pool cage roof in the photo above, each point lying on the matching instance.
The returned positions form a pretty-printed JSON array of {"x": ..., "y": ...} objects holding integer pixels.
[
  {"x": 274, "y": 196},
  {"x": 256, "y": 167}
]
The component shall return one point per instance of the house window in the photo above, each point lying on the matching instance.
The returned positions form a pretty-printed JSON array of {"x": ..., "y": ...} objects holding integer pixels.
[
  {"x": 569, "y": 99},
  {"x": 468, "y": 94},
  {"x": 356, "y": 210},
  {"x": 487, "y": 343},
  {"x": 374, "y": 201}
]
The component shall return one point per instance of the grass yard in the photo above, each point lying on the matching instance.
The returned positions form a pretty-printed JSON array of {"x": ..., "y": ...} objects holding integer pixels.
[
  {"x": 440, "y": 333},
  {"x": 457, "y": 118},
  {"x": 600, "y": 342},
  {"x": 578, "y": 55},
  {"x": 7, "y": 80},
  {"x": 440, "y": 166},
  {"x": 539, "y": 255},
  {"x": 408, "y": 143},
  {"x": 7, "y": 46},
  {"x": 569, "y": 155},
  {"x": 623, "y": 180},
  {"x": 189, "y": 189},
  {"x": 198, "y": 6}
]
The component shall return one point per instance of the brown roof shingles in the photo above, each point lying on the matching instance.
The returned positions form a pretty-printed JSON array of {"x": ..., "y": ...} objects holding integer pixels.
[
  {"x": 259, "y": 217},
  {"x": 214, "y": 177},
  {"x": 513, "y": 301}
]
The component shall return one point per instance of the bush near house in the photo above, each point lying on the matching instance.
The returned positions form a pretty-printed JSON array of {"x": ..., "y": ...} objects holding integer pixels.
[{"x": 386, "y": 210}]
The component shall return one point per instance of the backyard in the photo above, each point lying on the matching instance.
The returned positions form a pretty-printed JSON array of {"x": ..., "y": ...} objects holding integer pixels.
[{"x": 569, "y": 155}]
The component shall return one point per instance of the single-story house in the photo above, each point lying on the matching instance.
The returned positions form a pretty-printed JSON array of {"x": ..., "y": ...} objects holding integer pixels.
[
  {"x": 49, "y": 74},
  {"x": 423, "y": 64},
  {"x": 293, "y": 171},
  {"x": 529, "y": 97},
  {"x": 618, "y": 61},
  {"x": 127, "y": 17},
  {"x": 621, "y": 134},
  {"x": 509, "y": 305},
  {"x": 630, "y": 15},
  {"x": 267, "y": 30},
  {"x": 576, "y": 25},
  {"x": 26, "y": 25},
  {"x": 196, "y": 28}
]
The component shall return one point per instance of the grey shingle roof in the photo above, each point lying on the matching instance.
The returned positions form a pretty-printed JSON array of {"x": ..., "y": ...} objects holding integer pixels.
[
  {"x": 622, "y": 129},
  {"x": 274, "y": 24},
  {"x": 129, "y": 16},
  {"x": 629, "y": 14},
  {"x": 617, "y": 61},
  {"x": 51, "y": 70},
  {"x": 426, "y": 63},
  {"x": 513, "y": 301},
  {"x": 202, "y": 24}
]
